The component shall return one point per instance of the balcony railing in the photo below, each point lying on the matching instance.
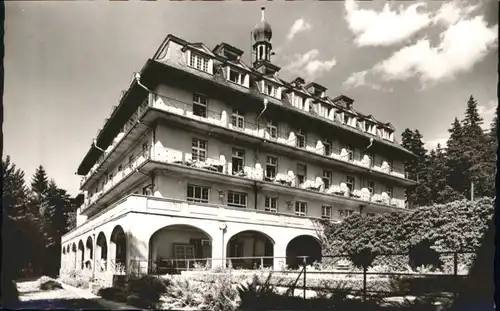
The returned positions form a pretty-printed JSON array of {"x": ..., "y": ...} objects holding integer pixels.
[
  {"x": 223, "y": 119},
  {"x": 137, "y": 114},
  {"x": 223, "y": 167}
]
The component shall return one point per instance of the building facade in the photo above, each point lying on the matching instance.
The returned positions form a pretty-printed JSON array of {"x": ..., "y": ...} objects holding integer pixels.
[{"x": 208, "y": 157}]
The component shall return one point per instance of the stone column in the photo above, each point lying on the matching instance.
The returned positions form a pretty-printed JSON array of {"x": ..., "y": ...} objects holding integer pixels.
[{"x": 280, "y": 255}]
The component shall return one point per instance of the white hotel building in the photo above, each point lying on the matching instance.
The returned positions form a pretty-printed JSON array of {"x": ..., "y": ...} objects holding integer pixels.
[{"x": 208, "y": 157}]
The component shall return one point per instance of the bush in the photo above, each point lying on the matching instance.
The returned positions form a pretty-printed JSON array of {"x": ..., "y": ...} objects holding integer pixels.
[
  {"x": 147, "y": 290},
  {"x": 455, "y": 226},
  {"x": 113, "y": 293},
  {"x": 46, "y": 283}
]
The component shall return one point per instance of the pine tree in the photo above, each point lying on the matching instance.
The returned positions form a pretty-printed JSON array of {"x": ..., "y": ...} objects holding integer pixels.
[
  {"x": 476, "y": 151},
  {"x": 19, "y": 222},
  {"x": 441, "y": 192},
  {"x": 416, "y": 168},
  {"x": 456, "y": 159}
]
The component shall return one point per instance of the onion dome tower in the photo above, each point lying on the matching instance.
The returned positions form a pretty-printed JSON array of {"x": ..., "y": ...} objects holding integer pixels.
[{"x": 262, "y": 35}]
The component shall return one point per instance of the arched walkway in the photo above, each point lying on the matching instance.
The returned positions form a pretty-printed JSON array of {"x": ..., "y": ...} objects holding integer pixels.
[
  {"x": 101, "y": 252},
  {"x": 89, "y": 248},
  {"x": 73, "y": 257},
  {"x": 81, "y": 255},
  {"x": 250, "y": 244},
  {"x": 172, "y": 247},
  {"x": 63, "y": 258},
  {"x": 302, "y": 245},
  {"x": 118, "y": 247}
]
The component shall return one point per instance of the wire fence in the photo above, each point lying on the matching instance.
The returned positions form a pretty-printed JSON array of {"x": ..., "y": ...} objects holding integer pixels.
[{"x": 331, "y": 273}]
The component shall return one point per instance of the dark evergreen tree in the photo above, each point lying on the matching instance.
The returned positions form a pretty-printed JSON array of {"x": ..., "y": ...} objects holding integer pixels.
[
  {"x": 416, "y": 169},
  {"x": 19, "y": 222},
  {"x": 438, "y": 170}
]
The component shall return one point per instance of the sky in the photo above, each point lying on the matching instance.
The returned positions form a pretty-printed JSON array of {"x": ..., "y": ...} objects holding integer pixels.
[{"x": 413, "y": 64}]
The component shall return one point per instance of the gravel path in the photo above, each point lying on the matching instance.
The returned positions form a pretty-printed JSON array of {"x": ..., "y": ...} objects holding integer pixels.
[{"x": 33, "y": 298}]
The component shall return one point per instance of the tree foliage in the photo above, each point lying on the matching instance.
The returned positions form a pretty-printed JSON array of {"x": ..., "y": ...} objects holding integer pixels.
[
  {"x": 449, "y": 174},
  {"x": 37, "y": 217},
  {"x": 455, "y": 226}
]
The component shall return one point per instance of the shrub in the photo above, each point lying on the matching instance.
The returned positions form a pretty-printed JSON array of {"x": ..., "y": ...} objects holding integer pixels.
[
  {"x": 182, "y": 293},
  {"x": 221, "y": 295},
  {"x": 46, "y": 283},
  {"x": 455, "y": 226},
  {"x": 148, "y": 290},
  {"x": 113, "y": 293}
]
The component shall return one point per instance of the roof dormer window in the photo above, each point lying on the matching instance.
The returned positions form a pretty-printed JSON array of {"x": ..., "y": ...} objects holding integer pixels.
[
  {"x": 370, "y": 128},
  {"x": 297, "y": 101},
  {"x": 199, "y": 62},
  {"x": 235, "y": 77},
  {"x": 270, "y": 89},
  {"x": 323, "y": 110}
]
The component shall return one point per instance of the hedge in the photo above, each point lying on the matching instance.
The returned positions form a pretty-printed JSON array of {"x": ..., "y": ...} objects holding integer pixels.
[{"x": 456, "y": 226}]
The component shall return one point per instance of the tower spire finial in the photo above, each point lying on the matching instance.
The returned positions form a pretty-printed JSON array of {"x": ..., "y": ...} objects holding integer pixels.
[{"x": 263, "y": 10}]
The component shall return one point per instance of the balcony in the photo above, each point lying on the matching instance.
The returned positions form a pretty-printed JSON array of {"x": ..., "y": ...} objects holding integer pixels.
[
  {"x": 125, "y": 134},
  {"x": 221, "y": 170},
  {"x": 290, "y": 140}
]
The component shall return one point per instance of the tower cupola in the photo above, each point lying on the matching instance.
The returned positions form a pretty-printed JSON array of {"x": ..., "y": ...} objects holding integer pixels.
[{"x": 262, "y": 35}]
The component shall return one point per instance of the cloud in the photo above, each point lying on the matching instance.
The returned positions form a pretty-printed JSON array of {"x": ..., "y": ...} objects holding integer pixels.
[
  {"x": 387, "y": 27},
  {"x": 462, "y": 45},
  {"x": 359, "y": 79},
  {"x": 487, "y": 112},
  {"x": 309, "y": 65},
  {"x": 463, "y": 42},
  {"x": 299, "y": 25},
  {"x": 451, "y": 12}
]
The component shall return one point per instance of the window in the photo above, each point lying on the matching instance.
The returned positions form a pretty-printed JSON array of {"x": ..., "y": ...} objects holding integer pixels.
[
  {"x": 323, "y": 111},
  {"x": 238, "y": 160},
  {"x": 346, "y": 212},
  {"x": 199, "y": 150},
  {"x": 350, "y": 151},
  {"x": 270, "y": 90},
  {"x": 372, "y": 159},
  {"x": 111, "y": 177},
  {"x": 389, "y": 191},
  {"x": 301, "y": 139},
  {"x": 198, "y": 62},
  {"x": 300, "y": 208},
  {"x": 235, "y": 77},
  {"x": 301, "y": 173},
  {"x": 350, "y": 183},
  {"x": 106, "y": 177},
  {"x": 148, "y": 190},
  {"x": 371, "y": 186},
  {"x": 237, "y": 199},
  {"x": 271, "y": 167},
  {"x": 272, "y": 128},
  {"x": 346, "y": 118},
  {"x": 391, "y": 165},
  {"x": 326, "y": 212},
  {"x": 327, "y": 147},
  {"x": 145, "y": 149},
  {"x": 327, "y": 178},
  {"x": 361, "y": 125},
  {"x": 238, "y": 119},
  {"x": 297, "y": 101},
  {"x": 199, "y": 106},
  {"x": 120, "y": 168},
  {"x": 197, "y": 194},
  {"x": 271, "y": 204}
]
